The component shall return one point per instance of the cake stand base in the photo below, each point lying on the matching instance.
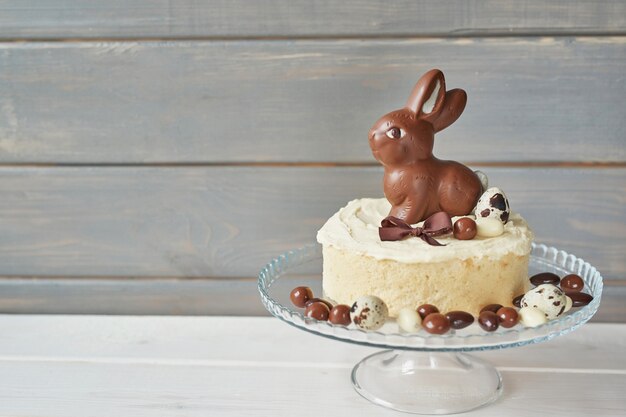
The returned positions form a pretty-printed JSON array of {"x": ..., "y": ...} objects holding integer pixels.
[{"x": 426, "y": 382}]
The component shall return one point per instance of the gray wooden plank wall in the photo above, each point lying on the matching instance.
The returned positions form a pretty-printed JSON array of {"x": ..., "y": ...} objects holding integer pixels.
[{"x": 158, "y": 153}]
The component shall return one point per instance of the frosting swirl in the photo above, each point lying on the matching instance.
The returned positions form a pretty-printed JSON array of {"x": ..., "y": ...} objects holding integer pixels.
[{"x": 355, "y": 228}]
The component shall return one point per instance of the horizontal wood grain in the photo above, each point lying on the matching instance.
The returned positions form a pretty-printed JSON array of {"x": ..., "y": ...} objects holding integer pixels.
[
  {"x": 189, "y": 297},
  {"x": 206, "y": 341},
  {"x": 224, "y": 366},
  {"x": 44, "y": 19},
  {"x": 229, "y": 221},
  {"x": 530, "y": 99},
  {"x": 132, "y": 296},
  {"x": 151, "y": 390}
]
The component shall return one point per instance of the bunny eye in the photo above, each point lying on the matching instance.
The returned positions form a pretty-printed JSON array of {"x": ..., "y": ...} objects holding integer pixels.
[{"x": 395, "y": 133}]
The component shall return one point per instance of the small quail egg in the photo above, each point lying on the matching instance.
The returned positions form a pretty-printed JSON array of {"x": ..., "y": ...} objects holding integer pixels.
[
  {"x": 369, "y": 312},
  {"x": 493, "y": 204},
  {"x": 548, "y": 298}
]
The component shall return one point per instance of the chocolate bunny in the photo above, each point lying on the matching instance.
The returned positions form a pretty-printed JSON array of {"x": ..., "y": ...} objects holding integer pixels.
[{"x": 416, "y": 183}]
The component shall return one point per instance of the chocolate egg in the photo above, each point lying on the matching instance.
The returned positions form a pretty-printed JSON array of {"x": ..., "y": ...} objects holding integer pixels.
[
  {"x": 464, "y": 229},
  {"x": 531, "y": 316},
  {"x": 507, "y": 316},
  {"x": 459, "y": 319},
  {"x": 488, "y": 320},
  {"x": 573, "y": 283},
  {"x": 493, "y": 204},
  {"x": 544, "y": 278},
  {"x": 579, "y": 299},
  {"x": 319, "y": 300},
  {"x": 548, "y": 298},
  {"x": 317, "y": 311},
  {"x": 409, "y": 320},
  {"x": 426, "y": 309},
  {"x": 491, "y": 307},
  {"x": 489, "y": 227},
  {"x": 340, "y": 315},
  {"x": 300, "y": 296},
  {"x": 369, "y": 312},
  {"x": 484, "y": 180},
  {"x": 436, "y": 323}
]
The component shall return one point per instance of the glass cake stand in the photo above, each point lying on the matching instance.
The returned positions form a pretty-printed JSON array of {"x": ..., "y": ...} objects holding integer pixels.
[{"x": 419, "y": 372}]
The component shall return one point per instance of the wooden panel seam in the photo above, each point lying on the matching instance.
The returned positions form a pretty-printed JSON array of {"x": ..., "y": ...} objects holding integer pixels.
[
  {"x": 136, "y": 19},
  {"x": 544, "y": 33},
  {"x": 312, "y": 164}
]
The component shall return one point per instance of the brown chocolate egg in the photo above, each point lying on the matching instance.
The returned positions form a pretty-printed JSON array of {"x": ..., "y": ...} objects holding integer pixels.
[
  {"x": 517, "y": 300},
  {"x": 459, "y": 319},
  {"x": 340, "y": 314},
  {"x": 491, "y": 307},
  {"x": 488, "y": 320},
  {"x": 300, "y": 295},
  {"x": 426, "y": 309},
  {"x": 544, "y": 278},
  {"x": 317, "y": 311},
  {"x": 507, "y": 316},
  {"x": 319, "y": 300},
  {"x": 464, "y": 229},
  {"x": 572, "y": 283},
  {"x": 579, "y": 299},
  {"x": 436, "y": 323}
]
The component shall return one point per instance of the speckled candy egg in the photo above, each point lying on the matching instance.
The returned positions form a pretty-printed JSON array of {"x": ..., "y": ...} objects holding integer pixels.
[
  {"x": 493, "y": 204},
  {"x": 548, "y": 298},
  {"x": 369, "y": 312}
]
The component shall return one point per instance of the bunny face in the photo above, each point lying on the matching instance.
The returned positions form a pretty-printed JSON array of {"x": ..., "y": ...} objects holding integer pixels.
[
  {"x": 406, "y": 136},
  {"x": 400, "y": 138}
]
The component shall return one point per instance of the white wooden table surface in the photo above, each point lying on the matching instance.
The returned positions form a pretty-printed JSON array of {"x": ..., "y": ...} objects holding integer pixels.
[{"x": 228, "y": 366}]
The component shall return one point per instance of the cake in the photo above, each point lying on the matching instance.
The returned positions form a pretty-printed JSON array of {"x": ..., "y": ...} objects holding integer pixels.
[
  {"x": 463, "y": 275},
  {"x": 440, "y": 236}
]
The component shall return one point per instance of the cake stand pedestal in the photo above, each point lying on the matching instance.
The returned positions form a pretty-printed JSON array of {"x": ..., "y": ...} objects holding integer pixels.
[
  {"x": 427, "y": 382},
  {"x": 419, "y": 372}
]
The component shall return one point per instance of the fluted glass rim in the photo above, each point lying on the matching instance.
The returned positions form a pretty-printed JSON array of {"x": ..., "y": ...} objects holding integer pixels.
[{"x": 541, "y": 254}]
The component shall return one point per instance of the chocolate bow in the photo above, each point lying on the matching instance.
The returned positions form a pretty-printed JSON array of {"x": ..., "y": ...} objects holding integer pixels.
[{"x": 393, "y": 228}]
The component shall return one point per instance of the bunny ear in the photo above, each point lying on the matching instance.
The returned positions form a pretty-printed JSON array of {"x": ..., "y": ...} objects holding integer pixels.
[
  {"x": 428, "y": 95},
  {"x": 454, "y": 104}
]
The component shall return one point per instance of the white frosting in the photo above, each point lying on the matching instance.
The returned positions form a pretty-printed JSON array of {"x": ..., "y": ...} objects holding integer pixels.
[{"x": 355, "y": 228}]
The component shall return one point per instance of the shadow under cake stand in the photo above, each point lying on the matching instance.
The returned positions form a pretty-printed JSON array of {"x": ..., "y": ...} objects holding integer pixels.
[{"x": 419, "y": 372}]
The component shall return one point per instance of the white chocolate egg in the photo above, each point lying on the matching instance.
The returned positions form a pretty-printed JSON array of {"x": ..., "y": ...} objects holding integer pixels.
[
  {"x": 408, "y": 320},
  {"x": 369, "y": 312},
  {"x": 484, "y": 180},
  {"x": 493, "y": 204},
  {"x": 531, "y": 316},
  {"x": 548, "y": 298},
  {"x": 488, "y": 227}
]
